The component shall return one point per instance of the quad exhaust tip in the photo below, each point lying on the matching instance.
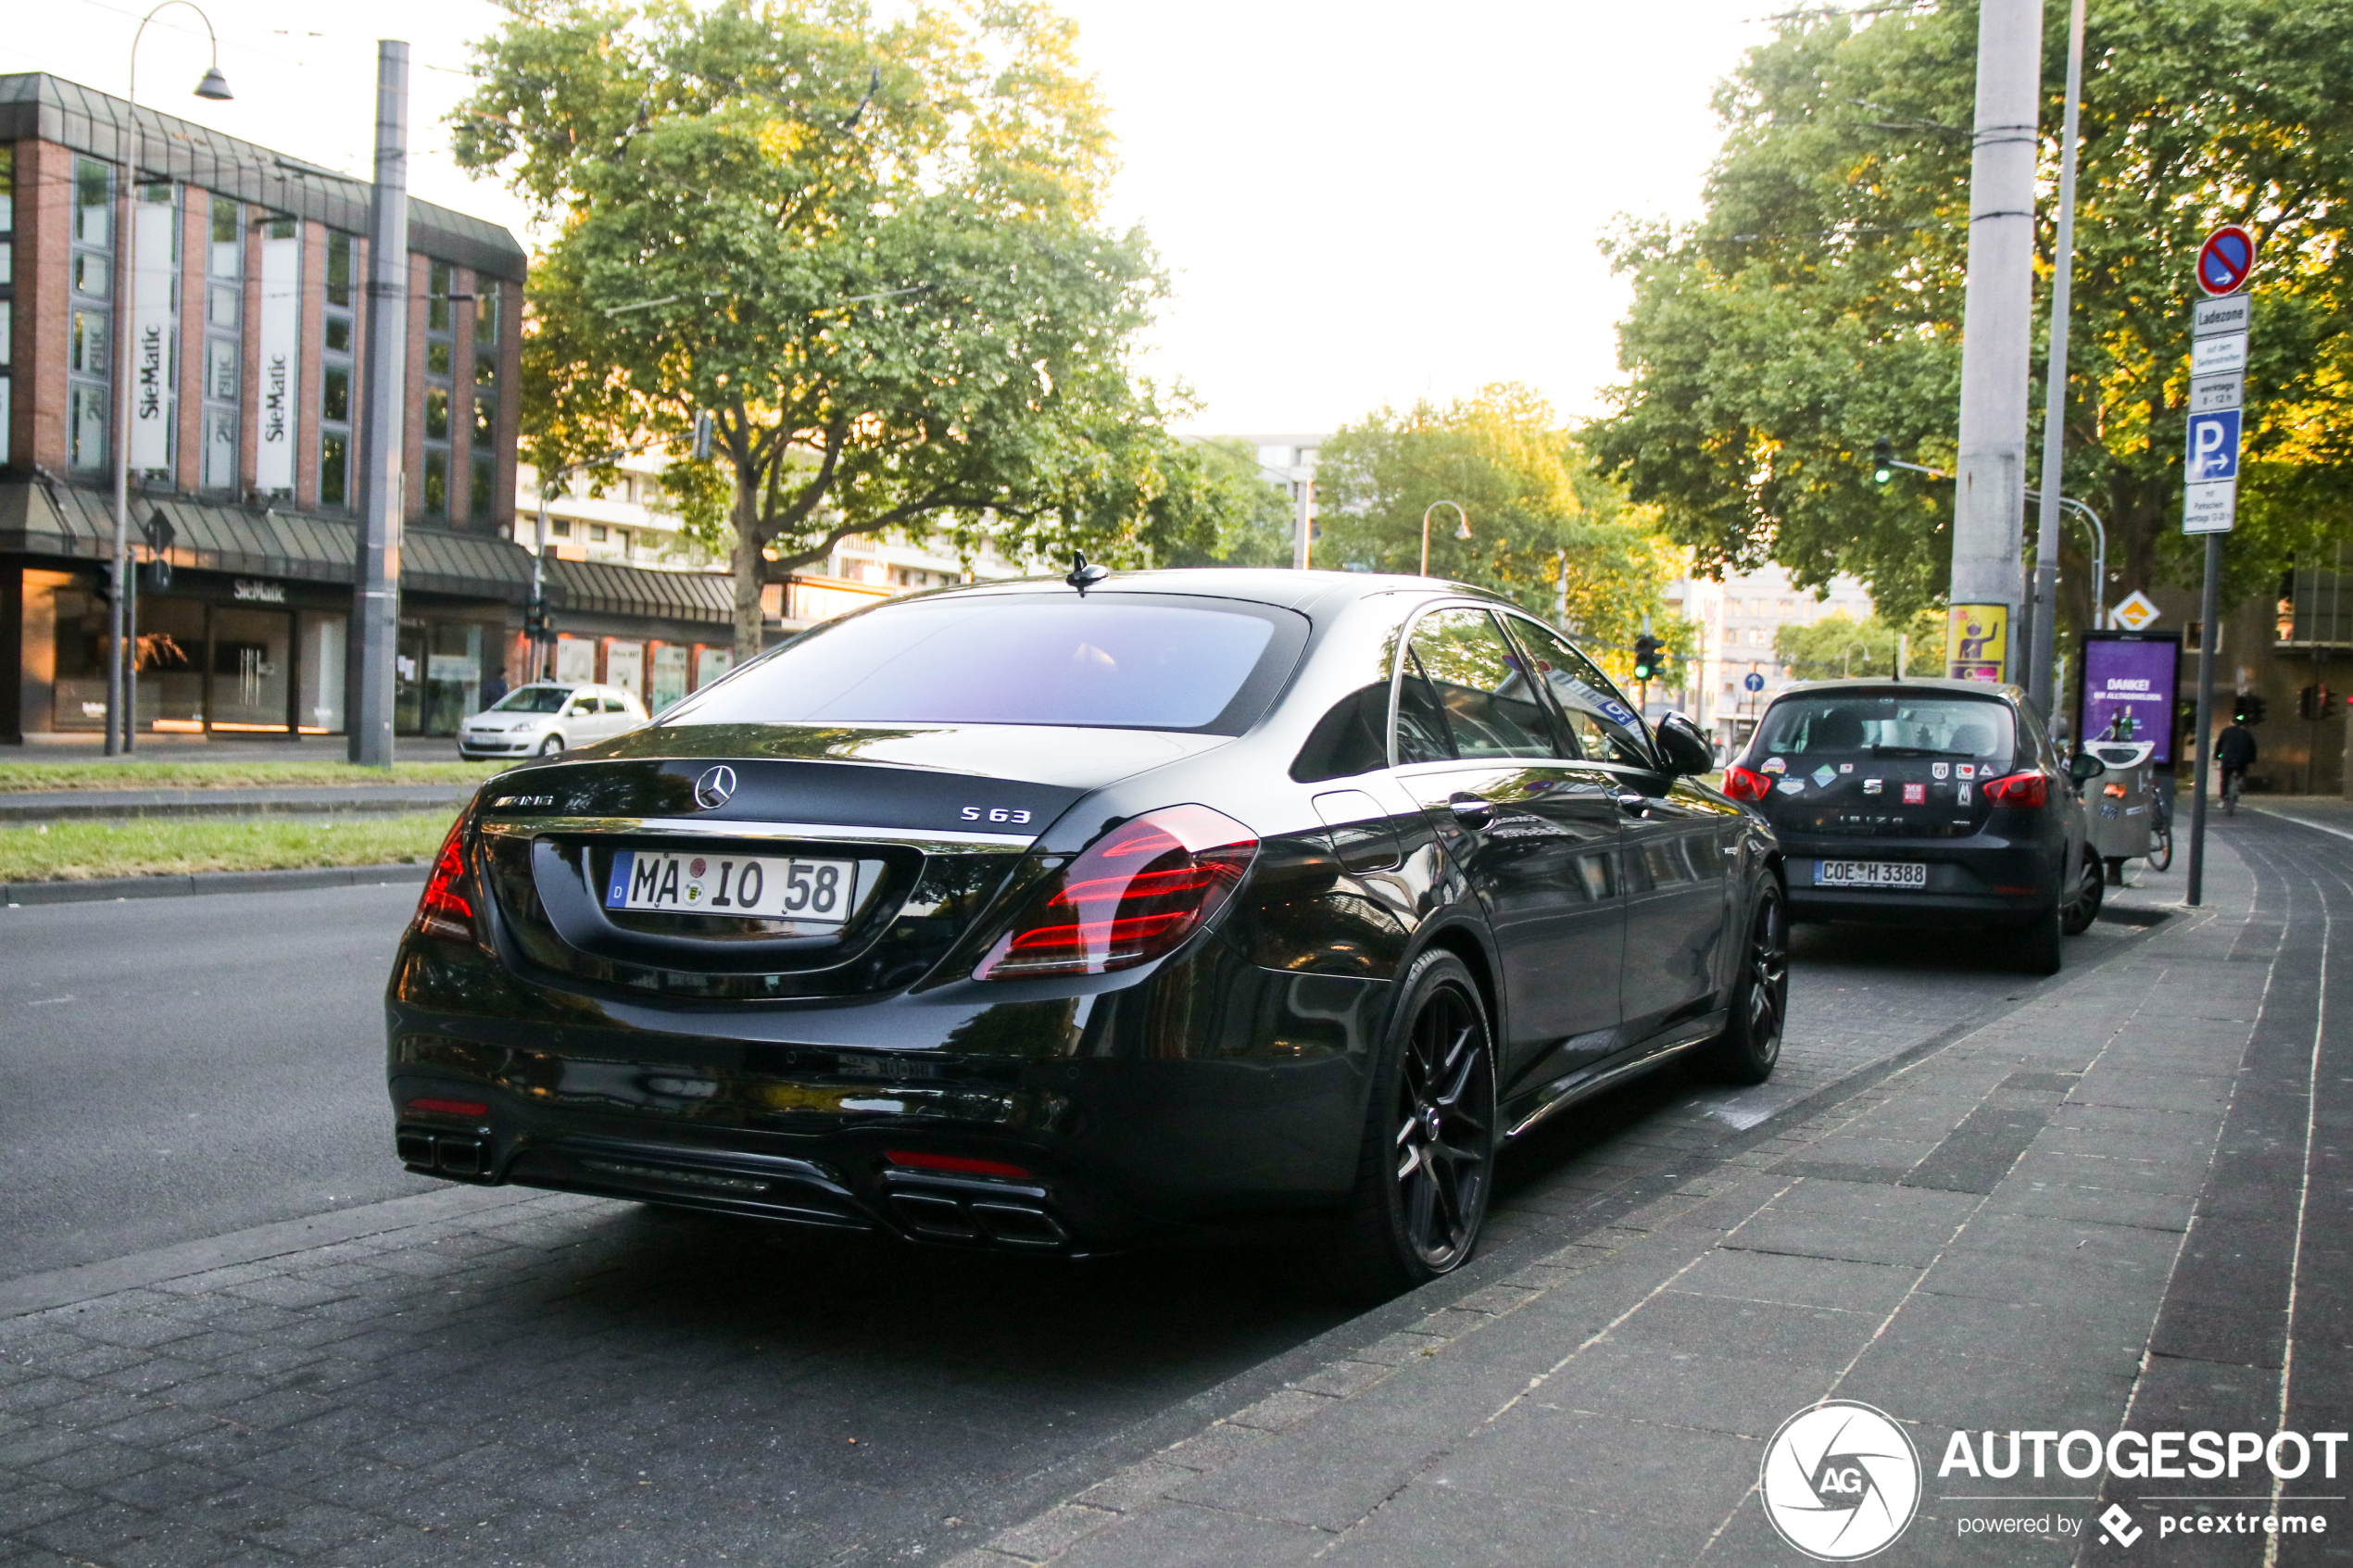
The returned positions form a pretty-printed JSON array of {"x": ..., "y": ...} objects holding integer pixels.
[{"x": 465, "y": 1156}]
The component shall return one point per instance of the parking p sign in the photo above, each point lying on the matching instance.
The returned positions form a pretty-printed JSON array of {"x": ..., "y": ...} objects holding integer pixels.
[{"x": 2214, "y": 446}]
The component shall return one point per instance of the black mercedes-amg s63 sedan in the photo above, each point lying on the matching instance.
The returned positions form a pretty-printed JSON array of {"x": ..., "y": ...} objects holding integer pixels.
[{"x": 1059, "y": 919}]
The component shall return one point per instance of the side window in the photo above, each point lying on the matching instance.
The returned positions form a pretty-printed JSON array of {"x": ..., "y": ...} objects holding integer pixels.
[
  {"x": 614, "y": 704},
  {"x": 1605, "y": 727},
  {"x": 1421, "y": 721},
  {"x": 1477, "y": 680},
  {"x": 1352, "y": 736}
]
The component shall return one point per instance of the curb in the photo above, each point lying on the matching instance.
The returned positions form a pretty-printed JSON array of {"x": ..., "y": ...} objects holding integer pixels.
[
  {"x": 98, "y": 890},
  {"x": 227, "y": 803}
]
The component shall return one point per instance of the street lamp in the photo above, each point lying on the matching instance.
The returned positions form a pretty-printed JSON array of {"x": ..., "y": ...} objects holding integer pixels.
[
  {"x": 123, "y": 673},
  {"x": 1460, "y": 531},
  {"x": 1848, "y": 655}
]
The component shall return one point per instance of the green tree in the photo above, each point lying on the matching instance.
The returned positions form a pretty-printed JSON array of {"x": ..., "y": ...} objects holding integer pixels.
[
  {"x": 1838, "y": 646},
  {"x": 1818, "y": 306},
  {"x": 1534, "y": 503},
  {"x": 870, "y": 249}
]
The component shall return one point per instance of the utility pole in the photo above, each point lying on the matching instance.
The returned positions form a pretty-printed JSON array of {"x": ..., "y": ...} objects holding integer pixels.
[
  {"x": 1990, "y": 495},
  {"x": 1302, "y": 539},
  {"x": 2046, "y": 530},
  {"x": 375, "y": 594}
]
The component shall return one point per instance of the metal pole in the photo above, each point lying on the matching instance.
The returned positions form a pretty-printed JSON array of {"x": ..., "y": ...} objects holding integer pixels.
[
  {"x": 1301, "y": 542},
  {"x": 2046, "y": 530},
  {"x": 1989, "y": 499},
  {"x": 2208, "y": 632},
  {"x": 539, "y": 586},
  {"x": 375, "y": 607}
]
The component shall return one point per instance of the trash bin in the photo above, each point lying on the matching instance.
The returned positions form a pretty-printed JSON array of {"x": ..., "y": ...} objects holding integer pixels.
[{"x": 2119, "y": 801}]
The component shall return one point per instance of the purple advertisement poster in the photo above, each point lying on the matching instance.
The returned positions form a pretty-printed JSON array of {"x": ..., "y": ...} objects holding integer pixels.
[{"x": 2128, "y": 683}]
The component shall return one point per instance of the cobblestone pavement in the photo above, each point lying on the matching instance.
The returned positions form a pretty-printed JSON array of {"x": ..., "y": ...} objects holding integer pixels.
[
  {"x": 546, "y": 1379},
  {"x": 2122, "y": 1204}
]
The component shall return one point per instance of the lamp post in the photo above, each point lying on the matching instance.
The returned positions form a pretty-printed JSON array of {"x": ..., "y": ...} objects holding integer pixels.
[
  {"x": 122, "y": 670},
  {"x": 1460, "y": 531},
  {"x": 1848, "y": 655}
]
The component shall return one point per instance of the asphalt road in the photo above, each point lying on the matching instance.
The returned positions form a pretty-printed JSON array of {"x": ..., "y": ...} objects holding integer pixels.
[{"x": 177, "y": 1068}]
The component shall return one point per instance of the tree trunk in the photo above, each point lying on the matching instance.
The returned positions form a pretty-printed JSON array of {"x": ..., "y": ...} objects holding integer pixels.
[{"x": 750, "y": 570}]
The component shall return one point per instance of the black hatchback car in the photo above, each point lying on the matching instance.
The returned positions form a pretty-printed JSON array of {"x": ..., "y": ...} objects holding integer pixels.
[
  {"x": 1056, "y": 919},
  {"x": 1923, "y": 802}
]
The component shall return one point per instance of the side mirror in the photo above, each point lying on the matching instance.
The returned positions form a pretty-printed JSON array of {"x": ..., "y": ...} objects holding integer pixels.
[
  {"x": 2083, "y": 766},
  {"x": 1687, "y": 751}
]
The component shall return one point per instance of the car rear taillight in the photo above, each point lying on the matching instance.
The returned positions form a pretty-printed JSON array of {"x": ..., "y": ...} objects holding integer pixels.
[
  {"x": 1130, "y": 897},
  {"x": 1741, "y": 783},
  {"x": 954, "y": 1164},
  {"x": 445, "y": 910},
  {"x": 2018, "y": 790}
]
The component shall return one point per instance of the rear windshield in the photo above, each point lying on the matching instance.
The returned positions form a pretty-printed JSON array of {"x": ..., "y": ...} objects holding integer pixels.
[
  {"x": 1970, "y": 729},
  {"x": 1123, "y": 661},
  {"x": 533, "y": 699}
]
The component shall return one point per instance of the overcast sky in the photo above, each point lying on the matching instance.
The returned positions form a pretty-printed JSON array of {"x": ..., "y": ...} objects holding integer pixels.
[{"x": 1360, "y": 204}]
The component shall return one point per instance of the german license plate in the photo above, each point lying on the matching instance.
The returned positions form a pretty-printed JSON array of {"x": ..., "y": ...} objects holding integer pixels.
[
  {"x": 1869, "y": 873},
  {"x": 772, "y": 886}
]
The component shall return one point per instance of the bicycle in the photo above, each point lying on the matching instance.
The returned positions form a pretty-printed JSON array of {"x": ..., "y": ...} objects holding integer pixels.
[
  {"x": 2161, "y": 855},
  {"x": 2233, "y": 778}
]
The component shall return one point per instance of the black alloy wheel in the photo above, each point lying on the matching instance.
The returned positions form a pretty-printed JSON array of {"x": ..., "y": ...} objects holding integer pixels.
[
  {"x": 1751, "y": 1043},
  {"x": 1429, "y": 1163},
  {"x": 2082, "y": 905}
]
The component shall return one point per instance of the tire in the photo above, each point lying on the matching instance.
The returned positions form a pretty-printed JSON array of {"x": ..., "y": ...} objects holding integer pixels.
[
  {"x": 1751, "y": 1043},
  {"x": 2080, "y": 904},
  {"x": 2161, "y": 850},
  {"x": 1427, "y": 1164},
  {"x": 552, "y": 746}
]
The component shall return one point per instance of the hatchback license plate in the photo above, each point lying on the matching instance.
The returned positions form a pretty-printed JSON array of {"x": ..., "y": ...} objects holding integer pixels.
[
  {"x": 1870, "y": 873},
  {"x": 774, "y": 887}
]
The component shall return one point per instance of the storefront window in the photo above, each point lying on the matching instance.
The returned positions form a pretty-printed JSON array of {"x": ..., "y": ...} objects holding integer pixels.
[
  {"x": 319, "y": 708},
  {"x": 171, "y": 645},
  {"x": 437, "y": 675},
  {"x": 250, "y": 668}
]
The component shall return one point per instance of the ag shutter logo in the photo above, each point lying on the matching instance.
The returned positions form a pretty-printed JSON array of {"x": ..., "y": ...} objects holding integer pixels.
[
  {"x": 1840, "y": 1481},
  {"x": 2117, "y": 1525}
]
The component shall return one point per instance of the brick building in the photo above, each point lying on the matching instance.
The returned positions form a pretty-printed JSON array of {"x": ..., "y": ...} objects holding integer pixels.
[{"x": 247, "y": 312}]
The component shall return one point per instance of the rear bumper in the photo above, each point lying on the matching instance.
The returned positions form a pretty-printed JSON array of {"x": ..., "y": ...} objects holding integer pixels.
[
  {"x": 1129, "y": 1117},
  {"x": 1969, "y": 883}
]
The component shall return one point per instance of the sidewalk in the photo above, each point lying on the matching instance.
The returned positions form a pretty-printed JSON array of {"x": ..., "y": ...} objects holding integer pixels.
[
  {"x": 88, "y": 805},
  {"x": 2084, "y": 1215}
]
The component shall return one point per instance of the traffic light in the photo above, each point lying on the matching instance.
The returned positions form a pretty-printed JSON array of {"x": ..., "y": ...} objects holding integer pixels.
[
  {"x": 702, "y": 436},
  {"x": 534, "y": 619},
  {"x": 1882, "y": 460},
  {"x": 2247, "y": 708},
  {"x": 2314, "y": 702},
  {"x": 1647, "y": 662}
]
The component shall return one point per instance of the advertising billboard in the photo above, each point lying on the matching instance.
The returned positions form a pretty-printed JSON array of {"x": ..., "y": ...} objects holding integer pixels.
[{"x": 2128, "y": 684}]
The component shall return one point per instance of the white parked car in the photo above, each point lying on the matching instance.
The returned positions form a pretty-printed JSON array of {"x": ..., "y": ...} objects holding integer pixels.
[{"x": 548, "y": 717}]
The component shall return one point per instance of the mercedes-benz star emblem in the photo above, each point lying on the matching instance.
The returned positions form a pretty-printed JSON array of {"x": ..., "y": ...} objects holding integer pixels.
[{"x": 715, "y": 789}]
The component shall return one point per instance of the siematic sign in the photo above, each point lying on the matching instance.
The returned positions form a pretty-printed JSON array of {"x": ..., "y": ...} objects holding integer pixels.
[{"x": 253, "y": 590}]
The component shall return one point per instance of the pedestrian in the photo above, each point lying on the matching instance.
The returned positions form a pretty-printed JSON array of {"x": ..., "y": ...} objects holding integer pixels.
[
  {"x": 494, "y": 689},
  {"x": 2235, "y": 751}
]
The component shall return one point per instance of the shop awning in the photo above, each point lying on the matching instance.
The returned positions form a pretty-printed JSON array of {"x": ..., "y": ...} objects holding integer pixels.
[
  {"x": 65, "y": 520},
  {"x": 604, "y": 588}
]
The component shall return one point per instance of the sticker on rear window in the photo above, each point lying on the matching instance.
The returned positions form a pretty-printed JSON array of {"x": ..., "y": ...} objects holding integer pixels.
[
  {"x": 1774, "y": 765},
  {"x": 1940, "y": 769},
  {"x": 1916, "y": 795},
  {"x": 1792, "y": 786},
  {"x": 1962, "y": 798},
  {"x": 1847, "y": 767},
  {"x": 1965, "y": 770},
  {"x": 1873, "y": 786},
  {"x": 1823, "y": 776}
]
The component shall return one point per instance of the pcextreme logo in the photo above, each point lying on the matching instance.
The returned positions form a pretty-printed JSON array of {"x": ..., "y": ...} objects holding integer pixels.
[{"x": 1840, "y": 1481}]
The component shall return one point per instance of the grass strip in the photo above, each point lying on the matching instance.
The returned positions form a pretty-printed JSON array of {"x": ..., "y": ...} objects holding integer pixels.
[
  {"x": 16, "y": 778},
  {"x": 161, "y": 846}
]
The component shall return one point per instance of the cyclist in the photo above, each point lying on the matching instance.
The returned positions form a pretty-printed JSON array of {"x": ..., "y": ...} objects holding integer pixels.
[{"x": 2235, "y": 751}]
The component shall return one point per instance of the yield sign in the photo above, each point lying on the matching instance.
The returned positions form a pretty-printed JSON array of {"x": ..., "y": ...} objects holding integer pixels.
[
  {"x": 2225, "y": 259},
  {"x": 2136, "y": 612}
]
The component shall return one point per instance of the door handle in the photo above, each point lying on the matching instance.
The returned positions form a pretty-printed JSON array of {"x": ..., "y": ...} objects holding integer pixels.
[{"x": 1471, "y": 810}]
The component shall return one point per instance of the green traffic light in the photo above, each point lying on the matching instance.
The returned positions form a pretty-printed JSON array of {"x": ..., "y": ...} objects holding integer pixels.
[{"x": 1884, "y": 476}]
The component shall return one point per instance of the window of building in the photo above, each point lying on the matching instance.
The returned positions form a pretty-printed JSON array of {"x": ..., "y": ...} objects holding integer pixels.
[
  {"x": 7, "y": 292},
  {"x": 336, "y": 369},
  {"x": 596, "y": 533},
  {"x": 89, "y": 337},
  {"x": 483, "y": 401},
  {"x": 440, "y": 351},
  {"x": 224, "y": 365}
]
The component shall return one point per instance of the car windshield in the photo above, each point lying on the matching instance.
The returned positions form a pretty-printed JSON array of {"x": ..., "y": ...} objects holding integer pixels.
[
  {"x": 1863, "y": 724},
  {"x": 533, "y": 699},
  {"x": 1115, "y": 660}
]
